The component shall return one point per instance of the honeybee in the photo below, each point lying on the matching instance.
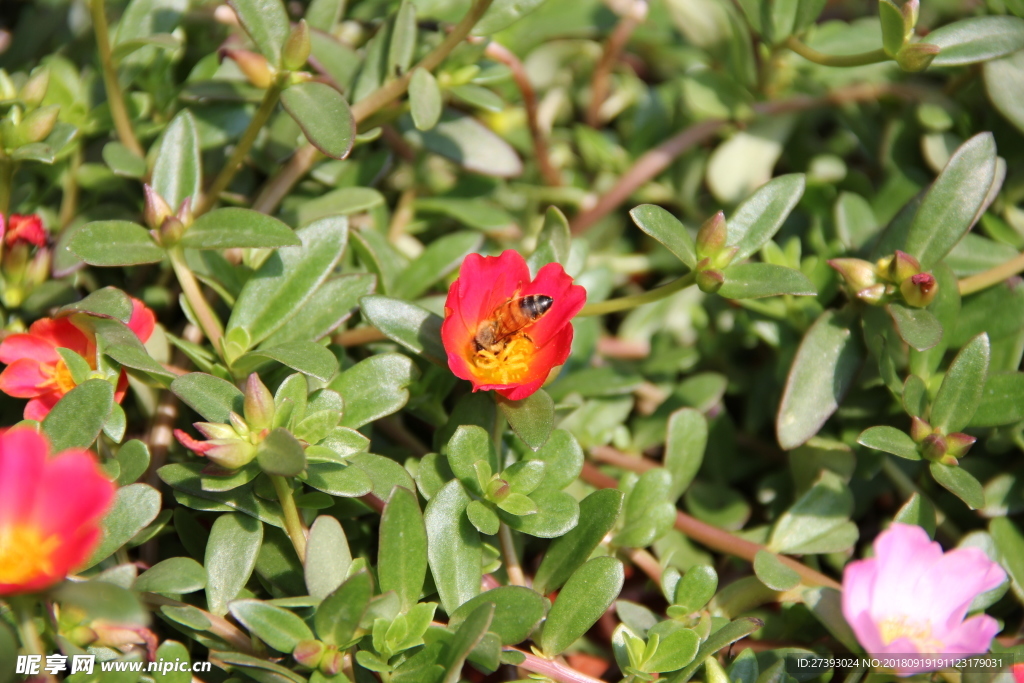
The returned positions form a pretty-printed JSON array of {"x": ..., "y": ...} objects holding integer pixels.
[{"x": 512, "y": 316}]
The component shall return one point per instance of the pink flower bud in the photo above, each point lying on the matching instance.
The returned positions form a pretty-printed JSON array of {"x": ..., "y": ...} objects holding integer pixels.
[
  {"x": 710, "y": 281},
  {"x": 919, "y": 429},
  {"x": 858, "y": 273},
  {"x": 309, "y": 653},
  {"x": 259, "y": 404},
  {"x": 253, "y": 65},
  {"x": 958, "y": 444},
  {"x": 902, "y": 266},
  {"x": 34, "y": 90},
  {"x": 916, "y": 57},
  {"x": 933, "y": 447},
  {"x": 712, "y": 236},
  {"x": 157, "y": 210},
  {"x": 297, "y": 47},
  {"x": 919, "y": 290}
]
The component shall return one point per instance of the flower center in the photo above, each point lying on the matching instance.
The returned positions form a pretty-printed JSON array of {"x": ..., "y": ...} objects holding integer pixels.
[
  {"x": 25, "y": 554},
  {"x": 919, "y": 633},
  {"x": 62, "y": 377},
  {"x": 507, "y": 366}
]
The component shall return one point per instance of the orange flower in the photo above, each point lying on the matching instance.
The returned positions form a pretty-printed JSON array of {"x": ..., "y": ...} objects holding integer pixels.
[
  {"x": 49, "y": 511},
  {"x": 37, "y": 372},
  {"x": 505, "y": 332}
]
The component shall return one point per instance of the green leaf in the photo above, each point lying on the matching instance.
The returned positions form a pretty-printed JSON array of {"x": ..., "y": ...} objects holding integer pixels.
[
  {"x": 341, "y": 202},
  {"x": 757, "y": 280},
  {"x": 664, "y": 227},
  {"x": 323, "y": 115},
  {"x": 1004, "y": 80},
  {"x": 696, "y": 588},
  {"x": 557, "y": 513},
  {"x": 385, "y": 474},
  {"x": 231, "y": 227},
  {"x": 917, "y": 510},
  {"x": 424, "y": 99},
  {"x": 889, "y": 440},
  {"x": 819, "y": 521},
  {"x": 553, "y": 242},
  {"x": 330, "y": 306},
  {"x": 266, "y": 22},
  {"x": 177, "y": 167},
  {"x": 583, "y": 599},
  {"x": 133, "y": 457},
  {"x": 173, "y": 575},
  {"x": 467, "y": 636},
  {"x": 562, "y": 458},
  {"x": 415, "y": 328},
  {"x": 648, "y": 515},
  {"x": 172, "y": 651},
  {"x": 685, "y": 444},
  {"x": 281, "y": 453},
  {"x": 375, "y": 387},
  {"x": 531, "y": 418},
  {"x": 453, "y": 547},
  {"x": 771, "y": 571},
  {"x": 441, "y": 257},
  {"x": 892, "y": 27},
  {"x": 277, "y": 627},
  {"x": 757, "y": 219},
  {"x": 1002, "y": 401},
  {"x": 327, "y": 557},
  {"x": 960, "y": 483},
  {"x": 502, "y": 14},
  {"x": 402, "y": 551},
  {"x": 78, "y": 417},
  {"x": 467, "y": 142},
  {"x": 122, "y": 161},
  {"x": 962, "y": 387},
  {"x": 977, "y": 39},
  {"x": 824, "y": 368},
  {"x": 1010, "y": 543},
  {"x": 403, "y": 40},
  {"x": 483, "y": 518},
  {"x": 108, "y": 302},
  {"x": 953, "y": 201},
  {"x": 288, "y": 279},
  {"x": 338, "y": 616},
  {"x": 115, "y": 243},
  {"x": 212, "y": 397},
  {"x": 723, "y": 637},
  {"x": 307, "y": 357},
  {"x": 135, "y": 506},
  {"x": 916, "y": 326},
  {"x": 517, "y": 611},
  {"x": 677, "y": 646},
  {"x": 324, "y": 14},
  {"x": 231, "y": 552},
  {"x": 337, "y": 479},
  {"x": 191, "y": 488}
]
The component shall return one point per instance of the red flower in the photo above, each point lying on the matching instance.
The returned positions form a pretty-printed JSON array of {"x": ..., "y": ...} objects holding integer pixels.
[
  {"x": 49, "y": 511},
  {"x": 27, "y": 229},
  {"x": 37, "y": 372},
  {"x": 483, "y": 330}
]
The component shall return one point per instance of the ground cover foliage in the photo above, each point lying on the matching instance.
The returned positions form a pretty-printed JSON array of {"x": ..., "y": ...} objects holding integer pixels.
[{"x": 229, "y": 233}]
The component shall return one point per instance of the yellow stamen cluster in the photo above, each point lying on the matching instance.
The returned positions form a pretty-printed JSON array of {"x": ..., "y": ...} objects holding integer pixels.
[
  {"x": 507, "y": 366},
  {"x": 62, "y": 377},
  {"x": 899, "y": 626},
  {"x": 25, "y": 554}
]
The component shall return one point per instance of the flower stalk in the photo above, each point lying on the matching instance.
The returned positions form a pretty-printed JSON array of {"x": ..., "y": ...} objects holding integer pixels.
[
  {"x": 292, "y": 520},
  {"x": 118, "y": 111},
  {"x": 207, "y": 319},
  {"x": 812, "y": 55},
  {"x": 627, "y": 302}
]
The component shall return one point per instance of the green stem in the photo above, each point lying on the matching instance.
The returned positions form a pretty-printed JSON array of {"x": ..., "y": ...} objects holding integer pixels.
[
  {"x": 992, "y": 276},
  {"x": 508, "y": 552},
  {"x": 208, "y": 320},
  {"x": 23, "y": 607},
  {"x": 908, "y": 488},
  {"x": 241, "y": 150},
  {"x": 118, "y": 112},
  {"x": 859, "y": 59},
  {"x": 627, "y": 302},
  {"x": 292, "y": 521},
  {"x": 6, "y": 187}
]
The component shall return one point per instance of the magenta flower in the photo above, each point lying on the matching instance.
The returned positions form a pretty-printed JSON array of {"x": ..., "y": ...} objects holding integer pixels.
[{"x": 912, "y": 598}]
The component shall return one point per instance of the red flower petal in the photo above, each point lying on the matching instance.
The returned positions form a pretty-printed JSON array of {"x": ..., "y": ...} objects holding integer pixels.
[
  {"x": 62, "y": 333},
  {"x": 142, "y": 321},
  {"x": 25, "y": 378},
  {"x": 40, "y": 406},
  {"x": 26, "y": 229},
  {"x": 22, "y": 460},
  {"x": 20, "y": 346}
]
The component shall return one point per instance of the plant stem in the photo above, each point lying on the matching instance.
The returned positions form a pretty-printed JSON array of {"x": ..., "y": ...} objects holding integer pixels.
[
  {"x": 992, "y": 276},
  {"x": 115, "y": 98},
  {"x": 27, "y": 631},
  {"x": 554, "y": 670},
  {"x": 69, "y": 198},
  {"x": 633, "y": 17},
  {"x": 647, "y": 563},
  {"x": 281, "y": 184},
  {"x": 292, "y": 521},
  {"x": 241, "y": 150},
  {"x": 6, "y": 187},
  {"x": 219, "y": 626},
  {"x": 859, "y": 59},
  {"x": 627, "y": 302},
  {"x": 208, "y": 320},
  {"x": 715, "y": 538},
  {"x": 508, "y": 552}
]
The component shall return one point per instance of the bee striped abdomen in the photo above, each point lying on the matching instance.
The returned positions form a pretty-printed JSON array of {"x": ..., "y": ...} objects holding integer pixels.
[{"x": 511, "y": 317}]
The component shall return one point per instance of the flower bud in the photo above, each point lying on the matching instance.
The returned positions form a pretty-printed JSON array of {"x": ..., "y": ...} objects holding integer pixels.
[
  {"x": 308, "y": 653},
  {"x": 259, "y": 404},
  {"x": 903, "y": 266},
  {"x": 38, "y": 269},
  {"x": 873, "y": 295},
  {"x": 497, "y": 490},
  {"x": 919, "y": 290},
  {"x": 933, "y": 447},
  {"x": 710, "y": 281},
  {"x": 185, "y": 212},
  {"x": 8, "y": 91},
  {"x": 40, "y": 123},
  {"x": 239, "y": 424},
  {"x": 171, "y": 231},
  {"x": 109, "y": 634},
  {"x": 910, "y": 10},
  {"x": 34, "y": 90},
  {"x": 297, "y": 47},
  {"x": 81, "y": 636},
  {"x": 213, "y": 430},
  {"x": 712, "y": 236},
  {"x": 914, "y": 57},
  {"x": 332, "y": 662},
  {"x": 157, "y": 209},
  {"x": 857, "y": 273},
  {"x": 27, "y": 229},
  {"x": 958, "y": 444},
  {"x": 230, "y": 453},
  {"x": 253, "y": 65},
  {"x": 919, "y": 429}
]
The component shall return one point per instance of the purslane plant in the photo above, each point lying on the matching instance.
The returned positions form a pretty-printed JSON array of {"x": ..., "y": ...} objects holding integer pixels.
[{"x": 355, "y": 367}]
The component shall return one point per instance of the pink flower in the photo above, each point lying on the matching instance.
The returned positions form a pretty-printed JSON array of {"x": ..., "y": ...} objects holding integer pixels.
[
  {"x": 37, "y": 372},
  {"x": 50, "y": 510},
  {"x": 26, "y": 229},
  {"x": 912, "y": 598}
]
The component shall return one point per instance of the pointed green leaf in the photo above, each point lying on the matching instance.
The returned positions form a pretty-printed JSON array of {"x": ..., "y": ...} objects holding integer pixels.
[
  {"x": 583, "y": 599},
  {"x": 960, "y": 483},
  {"x": 402, "y": 553},
  {"x": 231, "y": 552},
  {"x": 757, "y": 280},
  {"x": 266, "y": 22},
  {"x": 115, "y": 243},
  {"x": 323, "y": 115},
  {"x": 453, "y": 547},
  {"x": 238, "y": 228},
  {"x": 177, "y": 166},
  {"x": 758, "y": 218},
  {"x": 889, "y": 440},
  {"x": 664, "y": 227},
  {"x": 962, "y": 387}
]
